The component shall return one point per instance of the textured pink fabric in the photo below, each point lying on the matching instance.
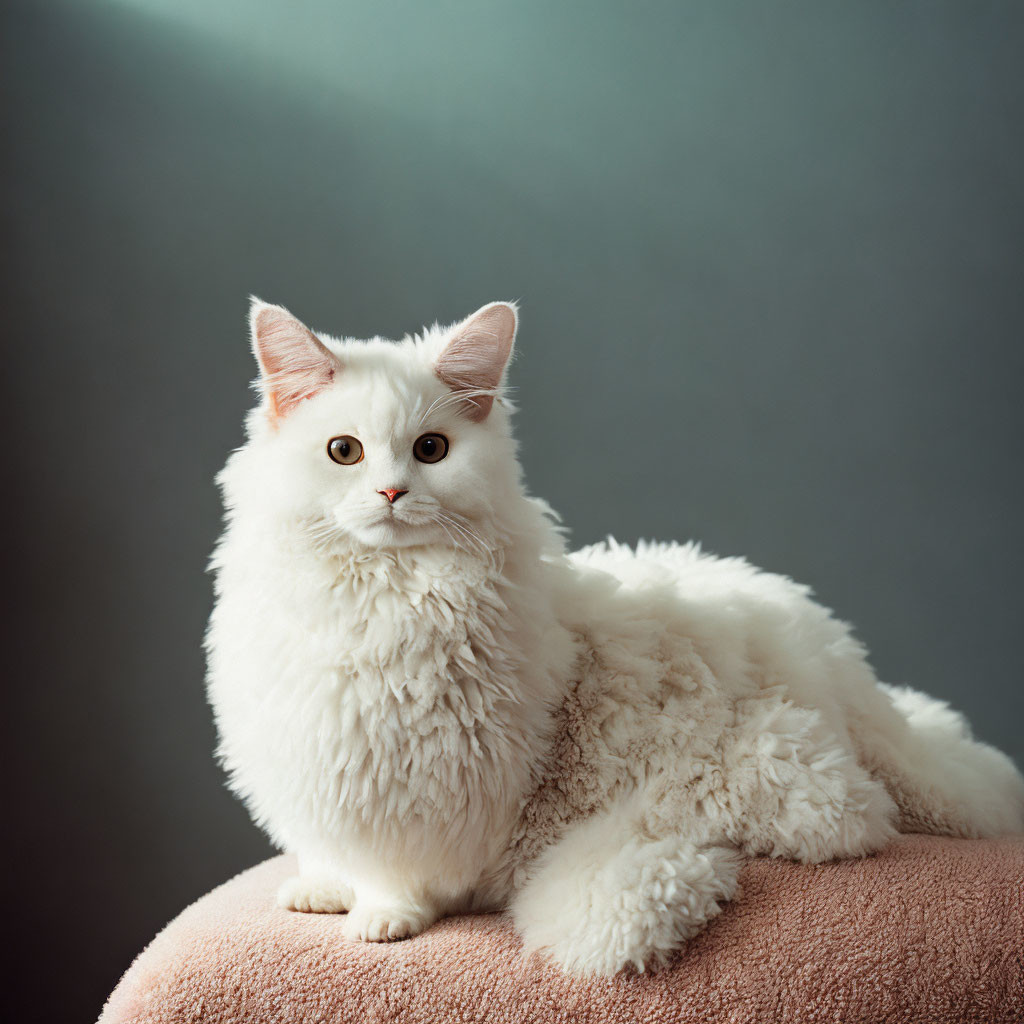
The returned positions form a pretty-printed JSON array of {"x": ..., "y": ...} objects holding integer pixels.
[{"x": 931, "y": 930}]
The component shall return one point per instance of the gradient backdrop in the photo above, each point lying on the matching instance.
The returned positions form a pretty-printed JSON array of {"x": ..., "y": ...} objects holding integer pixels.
[{"x": 775, "y": 246}]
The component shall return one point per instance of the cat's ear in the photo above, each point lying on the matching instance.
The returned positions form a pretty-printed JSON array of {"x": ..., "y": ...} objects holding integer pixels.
[
  {"x": 294, "y": 363},
  {"x": 474, "y": 360}
]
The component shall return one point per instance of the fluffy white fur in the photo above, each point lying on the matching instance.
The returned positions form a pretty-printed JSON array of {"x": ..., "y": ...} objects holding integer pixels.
[{"x": 439, "y": 709}]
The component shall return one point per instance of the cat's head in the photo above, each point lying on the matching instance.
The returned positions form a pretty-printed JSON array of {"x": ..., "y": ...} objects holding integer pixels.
[{"x": 389, "y": 444}]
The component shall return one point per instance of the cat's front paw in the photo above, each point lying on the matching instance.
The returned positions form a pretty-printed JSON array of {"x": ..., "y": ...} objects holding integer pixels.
[
  {"x": 312, "y": 895},
  {"x": 386, "y": 923}
]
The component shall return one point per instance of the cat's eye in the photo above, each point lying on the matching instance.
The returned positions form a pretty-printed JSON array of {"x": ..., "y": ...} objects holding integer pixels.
[
  {"x": 345, "y": 450},
  {"x": 430, "y": 447}
]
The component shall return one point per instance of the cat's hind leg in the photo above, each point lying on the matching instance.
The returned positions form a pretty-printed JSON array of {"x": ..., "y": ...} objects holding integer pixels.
[
  {"x": 609, "y": 894},
  {"x": 795, "y": 789}
]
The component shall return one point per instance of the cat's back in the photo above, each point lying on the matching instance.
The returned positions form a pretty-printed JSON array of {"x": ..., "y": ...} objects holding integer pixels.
[
  {"x": 753, "y": 628},
  {"x": 705, "y": 590}
]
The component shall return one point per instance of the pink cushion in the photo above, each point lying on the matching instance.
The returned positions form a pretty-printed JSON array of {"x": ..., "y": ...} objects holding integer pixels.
[{"x": 930, "y": 930}]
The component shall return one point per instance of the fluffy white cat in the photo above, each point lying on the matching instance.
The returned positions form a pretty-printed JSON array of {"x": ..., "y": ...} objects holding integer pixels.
[{"x": 424, "y": 697}]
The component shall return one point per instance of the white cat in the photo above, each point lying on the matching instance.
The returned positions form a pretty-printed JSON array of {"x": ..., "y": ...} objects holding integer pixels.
[{"x": 437, "y": 709}]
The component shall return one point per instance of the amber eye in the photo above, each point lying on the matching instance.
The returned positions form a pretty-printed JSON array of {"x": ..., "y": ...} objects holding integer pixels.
[
  {"x": 430, "y": 447},
  {"x": 345, "y": 450}
]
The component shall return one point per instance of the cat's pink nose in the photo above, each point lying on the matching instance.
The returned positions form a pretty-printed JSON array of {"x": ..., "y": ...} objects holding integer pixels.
[{"x": 392, "y": 494}]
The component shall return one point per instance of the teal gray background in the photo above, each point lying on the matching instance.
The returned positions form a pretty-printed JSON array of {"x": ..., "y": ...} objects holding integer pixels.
[{"x": 769, "y": 260}]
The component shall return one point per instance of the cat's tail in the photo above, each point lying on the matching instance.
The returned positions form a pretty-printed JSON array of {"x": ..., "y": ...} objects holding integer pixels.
[{"x": 943, "y": 780}]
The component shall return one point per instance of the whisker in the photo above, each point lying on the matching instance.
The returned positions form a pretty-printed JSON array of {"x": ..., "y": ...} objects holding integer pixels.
[
  {"x": 433, "y": 405},
  {"x": 321, "y": 533},
  {"x": 455, "y": 540},
  {"x": 462, "y": 394},
  {"x": 456, "y": 521},
  {"x": 459, "y": 523}
]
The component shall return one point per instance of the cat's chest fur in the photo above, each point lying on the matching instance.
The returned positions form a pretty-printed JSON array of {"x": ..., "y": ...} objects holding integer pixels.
[{"x": 388, "y": 700}]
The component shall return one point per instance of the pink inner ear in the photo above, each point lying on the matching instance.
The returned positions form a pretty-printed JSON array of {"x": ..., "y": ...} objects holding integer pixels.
[
  {"x": 474, "y": 360},
  {"x": 295, "y": 364}
]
